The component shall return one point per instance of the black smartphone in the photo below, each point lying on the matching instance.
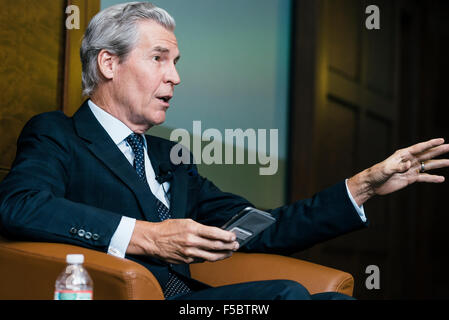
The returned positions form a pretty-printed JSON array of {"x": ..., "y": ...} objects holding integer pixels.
[{"x": 248, "y": 223}]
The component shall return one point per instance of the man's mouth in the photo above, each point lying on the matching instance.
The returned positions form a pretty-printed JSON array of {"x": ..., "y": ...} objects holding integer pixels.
[{"x": 165, "y": 99}]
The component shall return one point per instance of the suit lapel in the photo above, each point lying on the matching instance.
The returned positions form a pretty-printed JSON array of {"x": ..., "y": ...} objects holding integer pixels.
[{"x": 102, "y": 147}]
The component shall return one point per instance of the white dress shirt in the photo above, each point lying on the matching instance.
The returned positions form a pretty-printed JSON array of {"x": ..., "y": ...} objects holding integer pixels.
[{"x": 118, "y": 131}]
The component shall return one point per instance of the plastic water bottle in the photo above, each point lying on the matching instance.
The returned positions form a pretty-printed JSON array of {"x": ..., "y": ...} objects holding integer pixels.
[{"x": 74, "y": 283}]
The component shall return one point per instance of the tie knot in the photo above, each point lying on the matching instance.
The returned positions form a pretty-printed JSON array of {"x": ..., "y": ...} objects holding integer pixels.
[{"x": 136, "y": 142}]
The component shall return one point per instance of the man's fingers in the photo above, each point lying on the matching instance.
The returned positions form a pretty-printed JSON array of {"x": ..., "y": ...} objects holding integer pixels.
[
  {"x": 215, "y": 233},
  {"x": 178, "y": 258},
  {"x": 436, "y": 164},
  {"x": 214, "y": 256},
  {"x": 434, "y": 152},
  {"x": 217, "y": 245},
  {"x": 198, "y": 254},
  {"x": 198, "y": 241},
  {"x": 430, "y": 178},
  {"x": 430, "y": 165},
  {"x": 423, "y": 146}
]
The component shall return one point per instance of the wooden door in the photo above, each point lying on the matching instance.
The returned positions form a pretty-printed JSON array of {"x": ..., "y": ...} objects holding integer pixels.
[{"x": 344, "y": 118}]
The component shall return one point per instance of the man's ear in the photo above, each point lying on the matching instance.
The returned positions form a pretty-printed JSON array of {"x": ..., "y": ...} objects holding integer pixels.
[{"x": 106, "y": 64}]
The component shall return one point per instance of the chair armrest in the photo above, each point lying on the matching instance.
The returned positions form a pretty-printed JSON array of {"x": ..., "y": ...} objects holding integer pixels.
[
  {"x": 30, "y": 270},
  {"x": 244, "y": 267}
]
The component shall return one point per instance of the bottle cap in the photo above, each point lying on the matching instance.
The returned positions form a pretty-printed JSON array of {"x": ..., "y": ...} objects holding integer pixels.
[{"x": 75, "y": 258}]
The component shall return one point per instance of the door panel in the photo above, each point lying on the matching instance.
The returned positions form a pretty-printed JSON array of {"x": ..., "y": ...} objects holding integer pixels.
[
  {"x": 344, "y": 38},
  {"x": 354, "y": 120}
]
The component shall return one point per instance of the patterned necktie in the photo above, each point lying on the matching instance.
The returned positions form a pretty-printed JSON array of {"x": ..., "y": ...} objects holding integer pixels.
[
  {"x": 136, "y": 143},
  {"x": 174, "y": 285}
]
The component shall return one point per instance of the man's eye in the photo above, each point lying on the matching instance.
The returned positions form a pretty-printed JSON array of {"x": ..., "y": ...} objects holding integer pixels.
[{"x": 156, "y": 58}]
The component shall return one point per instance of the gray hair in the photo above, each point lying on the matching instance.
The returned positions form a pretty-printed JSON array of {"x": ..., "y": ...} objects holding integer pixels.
[{"x": 115, "y": 29}]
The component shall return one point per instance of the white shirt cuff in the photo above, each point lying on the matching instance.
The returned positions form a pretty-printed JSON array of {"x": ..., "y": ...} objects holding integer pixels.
[
  {"x": 121, "y": 238},
  {"x": 360, "y": 209}
]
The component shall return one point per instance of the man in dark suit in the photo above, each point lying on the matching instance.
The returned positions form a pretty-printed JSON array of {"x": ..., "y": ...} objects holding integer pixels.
[{"x": 96, "y": 180}]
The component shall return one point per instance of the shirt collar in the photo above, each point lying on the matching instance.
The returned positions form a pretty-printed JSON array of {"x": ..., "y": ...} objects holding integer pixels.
[{"x": 117, "y": 130}]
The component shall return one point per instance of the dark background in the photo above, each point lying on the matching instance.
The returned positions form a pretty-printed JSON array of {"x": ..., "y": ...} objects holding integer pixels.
[{"x": 357, "y": 95}]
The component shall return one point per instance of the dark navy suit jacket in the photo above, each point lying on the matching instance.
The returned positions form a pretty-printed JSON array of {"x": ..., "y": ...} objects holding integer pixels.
[{"x": 69, "y": 175}]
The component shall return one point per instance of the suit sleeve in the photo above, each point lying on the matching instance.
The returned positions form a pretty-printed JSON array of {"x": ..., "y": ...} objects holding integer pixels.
[
  {"x": 32, "y": 203},
  {"x": 304, "y": 223},
  {"x": 298, "y": 226}
]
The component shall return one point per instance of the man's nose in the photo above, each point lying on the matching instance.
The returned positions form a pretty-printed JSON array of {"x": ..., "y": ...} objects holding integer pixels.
[{"x": 173, "y": 76}]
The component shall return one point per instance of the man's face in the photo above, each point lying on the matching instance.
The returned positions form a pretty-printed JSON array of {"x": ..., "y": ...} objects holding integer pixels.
[{"x": 144, "y": 82}]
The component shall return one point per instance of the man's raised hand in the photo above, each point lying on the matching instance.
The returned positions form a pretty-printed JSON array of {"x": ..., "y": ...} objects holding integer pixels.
[{"x": 402, "y": 168}]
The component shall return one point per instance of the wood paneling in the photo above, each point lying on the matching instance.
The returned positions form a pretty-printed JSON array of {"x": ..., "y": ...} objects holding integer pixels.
[
  {"x": 336, "y": 143},
  {"x": 72, "y": 81},
  {"x": 394, "y": 98},
  {"x": 352, "y": 124},
  {"x": 31, "y": 66},
  {"x": 39, "y": 70},
  {"x": 379, "y": 51},
  {"x": 344, "y": 37}
]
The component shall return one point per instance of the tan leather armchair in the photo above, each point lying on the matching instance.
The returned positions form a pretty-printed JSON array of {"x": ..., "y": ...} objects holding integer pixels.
[{"x": 29, "y": 271}]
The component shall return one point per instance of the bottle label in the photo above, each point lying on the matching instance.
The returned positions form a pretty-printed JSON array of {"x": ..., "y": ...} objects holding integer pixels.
[{"x": 73, "y": 295}]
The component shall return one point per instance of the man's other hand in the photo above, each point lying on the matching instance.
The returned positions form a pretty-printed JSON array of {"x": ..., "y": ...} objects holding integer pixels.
[
  {"x": 401, "y": 169},
  {"x": 181, "y": 241}
]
